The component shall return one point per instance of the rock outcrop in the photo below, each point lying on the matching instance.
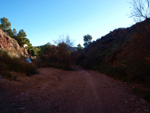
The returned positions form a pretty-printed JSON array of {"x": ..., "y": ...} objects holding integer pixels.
[{"x": 11, "y": 45}]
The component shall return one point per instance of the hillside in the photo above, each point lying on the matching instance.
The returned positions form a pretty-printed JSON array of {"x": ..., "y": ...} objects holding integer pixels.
[
  {"x": 12, "y": 58},
  {"x": 121, "y": 53},
  {"x": 11, "y": 45}
]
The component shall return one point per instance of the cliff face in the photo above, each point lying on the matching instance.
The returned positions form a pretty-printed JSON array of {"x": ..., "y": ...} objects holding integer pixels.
[{"x": 11, "y": 45}]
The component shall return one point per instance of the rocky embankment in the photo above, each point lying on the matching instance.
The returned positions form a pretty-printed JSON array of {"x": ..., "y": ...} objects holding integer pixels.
[{"x": 11, "y": 45}]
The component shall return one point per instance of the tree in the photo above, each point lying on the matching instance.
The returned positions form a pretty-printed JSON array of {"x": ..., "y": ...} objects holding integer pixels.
[
  {"x": 10, "y": 33},
  {"x": 21, "y": 38},
  {"x": 14, "y": 32},
  {"x": 68, "y": 41},
  {"x": 87, "y": 40},
  {"x": 35, "y": 51},
  {"x": 63, "y": 39},
  {"x": 22, "y": 33},
  {"x": 79, "y": 47},
  {"x": 5, "y": 24},
  {"x": 6, "y": 27},
  {"x": 140, "y": 9},
  {"x": 29, "y": 45},
  {"x": 45, "y": 48}
]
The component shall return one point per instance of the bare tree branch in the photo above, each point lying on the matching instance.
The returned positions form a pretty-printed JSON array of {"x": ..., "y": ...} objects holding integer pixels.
[{"x": 140, "y": 9}]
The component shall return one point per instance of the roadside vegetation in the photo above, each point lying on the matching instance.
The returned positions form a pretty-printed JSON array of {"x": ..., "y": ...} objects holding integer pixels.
[
  {"x": 58, "y": 56},
  {"x": 11, "y": 66}
]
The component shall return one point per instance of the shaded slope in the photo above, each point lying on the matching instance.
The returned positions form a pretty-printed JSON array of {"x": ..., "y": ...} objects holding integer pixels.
[{"x": 122, "y": 52}]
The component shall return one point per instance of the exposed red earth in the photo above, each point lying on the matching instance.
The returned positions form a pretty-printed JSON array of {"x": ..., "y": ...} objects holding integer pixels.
[{"x": 58, "y": 91}]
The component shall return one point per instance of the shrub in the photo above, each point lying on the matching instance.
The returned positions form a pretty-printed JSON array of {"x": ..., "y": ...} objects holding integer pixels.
[
  {"x": 19, "y": 65},
  {"x": 56, "y": 56}
]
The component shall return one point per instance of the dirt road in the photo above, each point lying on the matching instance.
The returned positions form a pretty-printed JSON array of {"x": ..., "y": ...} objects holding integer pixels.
[{"x": 59, "y": 91}]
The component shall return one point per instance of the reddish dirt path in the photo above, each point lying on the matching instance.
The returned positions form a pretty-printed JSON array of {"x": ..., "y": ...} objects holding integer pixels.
[{"x": 59, "y": 91}]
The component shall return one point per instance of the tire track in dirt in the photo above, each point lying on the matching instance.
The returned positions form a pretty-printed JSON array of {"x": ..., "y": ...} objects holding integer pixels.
[
  {"x": 59, "y": 91},
  {"x": 90, "y": 81}
]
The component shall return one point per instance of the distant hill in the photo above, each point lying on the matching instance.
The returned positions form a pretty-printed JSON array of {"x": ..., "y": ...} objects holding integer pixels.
[{"x": 122, "y": 52}]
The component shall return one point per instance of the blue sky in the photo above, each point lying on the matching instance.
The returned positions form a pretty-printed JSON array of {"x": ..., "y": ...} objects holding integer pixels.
[{"x": 47, "y": 20}]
